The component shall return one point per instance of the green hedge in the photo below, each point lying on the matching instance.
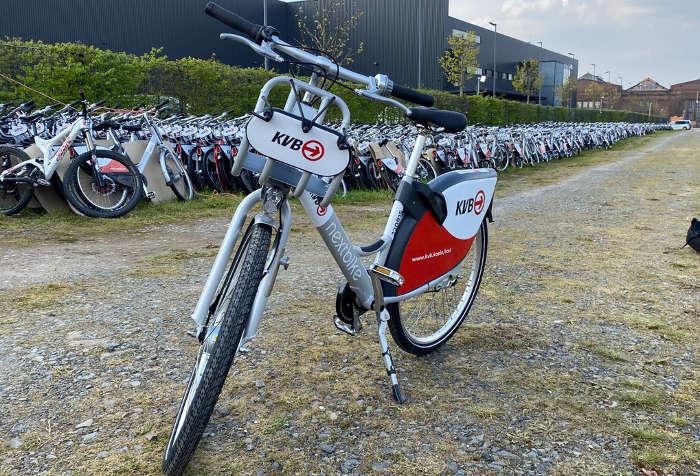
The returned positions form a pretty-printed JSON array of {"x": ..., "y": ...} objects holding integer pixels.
[{"x": 208, "y": 86}]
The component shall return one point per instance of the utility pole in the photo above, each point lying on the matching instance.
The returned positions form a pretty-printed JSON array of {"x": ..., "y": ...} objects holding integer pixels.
[
  {"x": 267, "y": 61},
  {"x": 495, "y": 28},
  {"x": 539, "y": 97}
]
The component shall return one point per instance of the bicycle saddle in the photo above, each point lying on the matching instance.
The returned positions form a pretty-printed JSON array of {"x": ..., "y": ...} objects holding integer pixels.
[
  {"x": 450, "y": 121},
  {"x": 104, "y": 125},
  {"x": 32, "y": 118},
  {"x": 131, "y": 127}
]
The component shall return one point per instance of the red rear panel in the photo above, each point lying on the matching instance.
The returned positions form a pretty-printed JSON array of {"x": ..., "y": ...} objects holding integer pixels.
[{"x": 431, "y": 252}]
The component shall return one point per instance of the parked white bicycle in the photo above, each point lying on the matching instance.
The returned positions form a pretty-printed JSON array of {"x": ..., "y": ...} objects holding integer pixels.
[{"x": 174, "y": 173}]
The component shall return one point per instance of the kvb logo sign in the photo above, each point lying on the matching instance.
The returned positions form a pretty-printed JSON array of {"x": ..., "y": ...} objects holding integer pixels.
[
  {"x": 283, "y": 139},
  {"x": 287, "y": 140},
  {"x": 312, "y": 150},
  {"x": 475, "y": 204}
]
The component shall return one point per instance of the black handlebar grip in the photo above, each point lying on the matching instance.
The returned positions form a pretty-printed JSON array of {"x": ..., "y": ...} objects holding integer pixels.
[
  {"x": 162, "y": 104},
  {"x": 411, "y": 95},
  {"x": 236, "y": 22},
  {"x": 99, "y": 103}
]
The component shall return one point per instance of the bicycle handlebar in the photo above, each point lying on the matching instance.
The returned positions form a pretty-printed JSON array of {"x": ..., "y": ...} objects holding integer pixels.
[
  {"x": 376, "y": 86},
  {"x": 411, "y": 95},
  {"x": 255, "y": 32}
]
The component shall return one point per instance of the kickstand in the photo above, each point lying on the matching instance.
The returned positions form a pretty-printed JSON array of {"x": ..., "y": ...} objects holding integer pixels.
[{"x": 378, "y": 274}]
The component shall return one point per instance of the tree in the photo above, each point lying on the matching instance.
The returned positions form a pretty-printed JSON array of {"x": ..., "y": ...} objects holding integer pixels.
[
  {"x": 460, "y": 61},
  {"x": 568, "y": 89},
  {"x": 528, "y": 79},
  {"x": 325, "y": 26},
  {"x": 594, "y": 92}
]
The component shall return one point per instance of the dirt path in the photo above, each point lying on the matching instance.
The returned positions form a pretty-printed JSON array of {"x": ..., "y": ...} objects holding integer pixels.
[{"x": 580, "y": 355}]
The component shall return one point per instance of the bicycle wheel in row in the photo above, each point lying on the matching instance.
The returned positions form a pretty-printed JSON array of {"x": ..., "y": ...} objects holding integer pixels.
[
  {"x": 231, "y": 310},
  {"x": 177, "y": 177},
  {"x": 15, "y": 196},
  {"x": 423, "y": 323},
  {"x": 102, "y": 184}
]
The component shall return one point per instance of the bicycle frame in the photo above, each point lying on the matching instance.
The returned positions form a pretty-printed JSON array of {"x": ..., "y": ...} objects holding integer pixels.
[
  {"x": 346, "y": 254},
  {"x": 49, "y": 163},
  {"x": 155, "y": 141}
]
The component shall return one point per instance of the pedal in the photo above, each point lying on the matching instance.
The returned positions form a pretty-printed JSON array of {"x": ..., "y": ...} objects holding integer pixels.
[
  {"x": 43, "y": 182},
  {"x": 341, "y": 326},
  {"x": 151, "y": 195},
  {"x": 387, "y": 275}
]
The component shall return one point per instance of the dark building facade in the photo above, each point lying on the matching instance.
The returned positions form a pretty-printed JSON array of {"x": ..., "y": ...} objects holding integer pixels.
[{"x": 402, "y": 38}]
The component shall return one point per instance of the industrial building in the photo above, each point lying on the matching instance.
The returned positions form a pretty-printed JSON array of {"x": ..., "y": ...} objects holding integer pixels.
[{"x": 402, "y": 38}]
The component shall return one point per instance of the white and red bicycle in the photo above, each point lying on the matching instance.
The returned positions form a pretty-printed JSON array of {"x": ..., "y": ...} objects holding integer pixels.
[{"x": 428, "y": 261}]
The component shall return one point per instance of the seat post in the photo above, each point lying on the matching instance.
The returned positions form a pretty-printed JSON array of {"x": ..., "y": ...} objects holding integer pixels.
[{"x": 415, "y": 155}]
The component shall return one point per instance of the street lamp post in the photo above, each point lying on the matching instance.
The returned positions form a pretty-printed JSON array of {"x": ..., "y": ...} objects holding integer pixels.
[
  {"x": 539, "y": 97},
  {"x": 495, "y": 30},
  {"x": 573, "y": 63},
  {"x": 479, "y": 79}
]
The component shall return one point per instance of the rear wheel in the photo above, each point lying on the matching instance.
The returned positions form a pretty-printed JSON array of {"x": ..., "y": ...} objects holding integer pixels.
[
  {"x": 15, "y": 196},
  {"x": 425, "y": 322},
  {"x": 227, "y": 321},
  {"x": 425, "y": 172}
]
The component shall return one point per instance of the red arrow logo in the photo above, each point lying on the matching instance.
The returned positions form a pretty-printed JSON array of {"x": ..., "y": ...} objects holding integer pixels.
[
  {"x": 312, "y": 150},
  {"x": 479, "y": 201}
]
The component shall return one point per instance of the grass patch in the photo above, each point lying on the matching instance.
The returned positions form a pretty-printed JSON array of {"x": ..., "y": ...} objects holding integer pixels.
[
  {"x": 32, "y": 227},
  {"x": 646, "y": 434},
  {"x": 178, "y": 256},
  {"x": 38, "y": 297},
  {"x": 605, "y": 352},
  {"x": 664, "y": 329},
  {"x": 641, "y": 399},
  {"x": 484, "y": 412},
  {"x": 156, "y": 272}
]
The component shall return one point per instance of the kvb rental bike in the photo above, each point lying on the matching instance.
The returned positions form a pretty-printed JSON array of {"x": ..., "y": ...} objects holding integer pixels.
[{"x": 428, "y": 261}]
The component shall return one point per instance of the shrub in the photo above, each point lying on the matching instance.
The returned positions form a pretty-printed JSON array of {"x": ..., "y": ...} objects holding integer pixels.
[{"x": 207, "y": 86}]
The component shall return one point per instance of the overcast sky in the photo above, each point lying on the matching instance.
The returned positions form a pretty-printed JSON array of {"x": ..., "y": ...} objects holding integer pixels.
[{"x": 631, "y": 38}]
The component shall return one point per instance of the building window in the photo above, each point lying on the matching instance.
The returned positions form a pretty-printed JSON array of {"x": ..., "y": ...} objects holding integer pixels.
[{"x": 461, "y": 33}]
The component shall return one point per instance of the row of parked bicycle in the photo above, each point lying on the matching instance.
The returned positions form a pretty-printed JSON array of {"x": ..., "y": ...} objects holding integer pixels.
[{"x": 195, "y": 153}]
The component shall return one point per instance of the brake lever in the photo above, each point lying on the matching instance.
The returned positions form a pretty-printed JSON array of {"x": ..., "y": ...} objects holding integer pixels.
[
  {"x": 378, "y": 97},
  {"x": 264, "y": 49}
]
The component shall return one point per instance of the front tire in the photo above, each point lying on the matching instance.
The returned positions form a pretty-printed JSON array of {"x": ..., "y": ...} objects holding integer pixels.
[
  {"x": 224, "y": 332},
  {"x": 177, "y": 177},
  {"x": 14, "y": 197},
  {"x": 424, "y": 323},
  {"x": 109, "y": 187}
]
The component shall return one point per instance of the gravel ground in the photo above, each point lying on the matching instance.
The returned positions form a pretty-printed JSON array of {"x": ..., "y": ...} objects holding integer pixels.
[{"x": 579, "y": 357}]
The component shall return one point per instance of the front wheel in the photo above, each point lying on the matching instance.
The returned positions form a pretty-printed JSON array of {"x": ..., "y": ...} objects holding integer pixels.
[
  {"x": 15, "y": 196},
  {"x": 102, "y": 184},
  {"x": 422, "y": 324},
  {"x": 230, "y": 312},
  {"x": 176, "y": 177}
]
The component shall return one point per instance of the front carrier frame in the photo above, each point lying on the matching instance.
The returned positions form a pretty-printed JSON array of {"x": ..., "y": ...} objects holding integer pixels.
[{"x": 291, "y": 145}]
